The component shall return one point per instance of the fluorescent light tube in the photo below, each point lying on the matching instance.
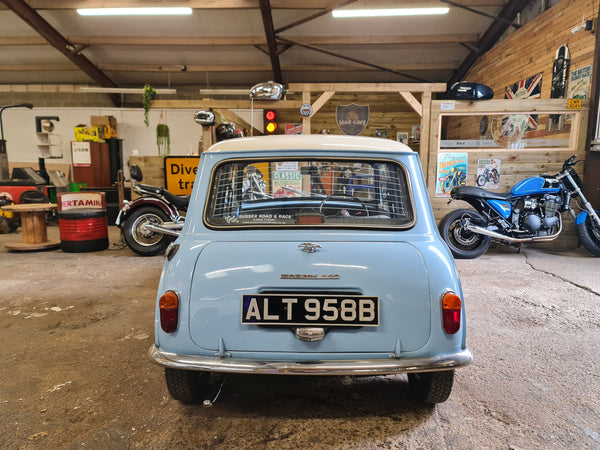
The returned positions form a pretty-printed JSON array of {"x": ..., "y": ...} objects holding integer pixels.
[
  {"x": 388, "y": 12},
  {"x": 102, "y": 90},
  {"x": 133, "y": 11}
]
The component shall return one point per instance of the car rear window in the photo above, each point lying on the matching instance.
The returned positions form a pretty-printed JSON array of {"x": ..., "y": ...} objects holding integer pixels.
[{"x": 309, "y": 193}]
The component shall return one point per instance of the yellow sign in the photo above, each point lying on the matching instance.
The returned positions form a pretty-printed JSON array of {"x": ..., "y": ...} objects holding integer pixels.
[
  {"x": 180, "y": 174},
  {"x": 574, "y": 103}
]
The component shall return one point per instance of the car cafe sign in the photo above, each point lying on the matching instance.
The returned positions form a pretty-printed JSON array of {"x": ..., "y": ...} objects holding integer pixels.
[{"x": 352, "y": 119}]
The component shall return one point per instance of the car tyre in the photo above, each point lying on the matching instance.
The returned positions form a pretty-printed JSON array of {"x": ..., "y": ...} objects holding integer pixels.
[
  {"x": 432, "y": 387},
  {"x": 187, "y": 386}
]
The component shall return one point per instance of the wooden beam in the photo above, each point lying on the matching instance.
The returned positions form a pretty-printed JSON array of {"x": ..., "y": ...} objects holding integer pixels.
[
  {"x": 413, "y": 102},
  {"x": 347, "y": 58},
  {"x": 318, "y": 104},
  {"x": 263, "y": 67},
  {"x": 223, "y": 68},
  {"x": 368, "y": 87},
  {"x": 490, "y": 37},
  {"x": 224, "y": 104},
  {"x": 223, "y": 4},
  {"x": 535, "y": 106},
  {"x": 306, "y": 119},
  {"x": 233, "y": 117},
  {"x": 211, "y": 41},
  {"x": 39, "y": 24},
  {"x": 267, "y": 18},
  {"x": 425, "y": 132},
  {"x": 314, "y": 16}
]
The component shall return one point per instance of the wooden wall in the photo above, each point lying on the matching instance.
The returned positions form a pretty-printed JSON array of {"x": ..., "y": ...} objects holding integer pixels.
[
  {"x": 388, "y": 111},
  {"x": 522, "y": 54},
  {"x": 532, "y": 48}
]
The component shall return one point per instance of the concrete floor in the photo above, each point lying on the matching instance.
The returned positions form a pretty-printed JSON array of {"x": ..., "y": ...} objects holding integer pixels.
[{"x": 74, "y": 330}]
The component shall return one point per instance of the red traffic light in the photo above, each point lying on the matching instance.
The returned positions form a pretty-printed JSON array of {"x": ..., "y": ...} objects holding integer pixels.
[{"x": 270, "y": 115}]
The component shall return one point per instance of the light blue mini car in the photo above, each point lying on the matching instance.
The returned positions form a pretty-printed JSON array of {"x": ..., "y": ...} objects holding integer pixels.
[{"x": 310, "y": 255}]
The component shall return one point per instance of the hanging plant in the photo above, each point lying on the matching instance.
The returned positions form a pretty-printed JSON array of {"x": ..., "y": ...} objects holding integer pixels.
[
  {"x": 163, "y": 139},
  {"x": 149, "y": 95}
]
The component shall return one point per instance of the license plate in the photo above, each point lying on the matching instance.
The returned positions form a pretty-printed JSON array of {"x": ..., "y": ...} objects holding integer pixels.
[{"x": 325, "y": 310}]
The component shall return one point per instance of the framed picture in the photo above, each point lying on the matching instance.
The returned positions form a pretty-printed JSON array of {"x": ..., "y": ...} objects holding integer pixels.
[{"x": 402, "y": 137}]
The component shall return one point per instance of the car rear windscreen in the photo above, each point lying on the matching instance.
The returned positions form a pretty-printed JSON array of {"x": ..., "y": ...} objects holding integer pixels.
[{"x": 309, "y": 193}]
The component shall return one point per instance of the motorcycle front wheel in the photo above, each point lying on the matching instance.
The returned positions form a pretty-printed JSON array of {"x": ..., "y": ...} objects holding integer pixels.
[
  {"x": 463, "y": 244},
  {"x": 589, "y": 236},
  {"x": 141, "y": 240}
]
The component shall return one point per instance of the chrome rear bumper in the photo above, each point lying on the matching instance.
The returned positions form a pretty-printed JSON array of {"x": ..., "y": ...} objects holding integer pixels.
[{"x": 332, "y": 367}]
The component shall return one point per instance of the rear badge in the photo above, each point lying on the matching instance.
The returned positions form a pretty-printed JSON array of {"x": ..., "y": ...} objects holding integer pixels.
[{"x": 306, "y": 276}]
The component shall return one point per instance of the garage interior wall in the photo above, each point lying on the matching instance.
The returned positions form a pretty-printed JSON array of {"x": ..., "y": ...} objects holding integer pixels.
[
  {"x": 526, "y": 52},
  {"x": 531, "y": 49}
]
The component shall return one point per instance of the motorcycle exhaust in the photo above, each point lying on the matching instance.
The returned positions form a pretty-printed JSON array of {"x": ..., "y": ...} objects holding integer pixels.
[
  {"x": 502, "y": 237},
  {"x": 172, "y": 229}
]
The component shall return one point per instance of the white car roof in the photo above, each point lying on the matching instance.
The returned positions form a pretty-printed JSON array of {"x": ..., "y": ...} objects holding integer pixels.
[{"x": 309, "y": 142}]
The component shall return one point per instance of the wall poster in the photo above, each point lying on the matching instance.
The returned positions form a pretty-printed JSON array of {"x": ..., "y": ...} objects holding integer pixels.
[
  {"x": 488, "y": 173},
  {"x": 451, "y": 172}
]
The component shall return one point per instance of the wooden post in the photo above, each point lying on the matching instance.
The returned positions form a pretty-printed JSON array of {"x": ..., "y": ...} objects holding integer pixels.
[
  {"x": 425, "y": 132},
  {"x": 305, "y": 119},
  {"x": 207, "y": 137}
]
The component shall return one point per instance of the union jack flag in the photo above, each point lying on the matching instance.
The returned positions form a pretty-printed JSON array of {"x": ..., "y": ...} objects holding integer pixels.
[{"x": 527, "y": 88}]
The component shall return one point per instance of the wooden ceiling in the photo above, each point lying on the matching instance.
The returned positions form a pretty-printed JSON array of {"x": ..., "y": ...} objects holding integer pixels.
[{"x": 237, "y": 43}]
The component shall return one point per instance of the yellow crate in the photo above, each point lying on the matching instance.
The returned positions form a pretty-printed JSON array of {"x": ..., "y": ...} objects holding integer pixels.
[{"x": 92, "y": 134}]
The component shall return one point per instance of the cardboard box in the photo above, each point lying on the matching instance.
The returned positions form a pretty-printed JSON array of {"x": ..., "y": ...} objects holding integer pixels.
[
  {"x": 106, "y": 124},
  {"x": 103, "y": 121}
]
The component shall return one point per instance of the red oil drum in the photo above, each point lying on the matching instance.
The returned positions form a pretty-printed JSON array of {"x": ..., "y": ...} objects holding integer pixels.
[{"x": 83, "y": 230}]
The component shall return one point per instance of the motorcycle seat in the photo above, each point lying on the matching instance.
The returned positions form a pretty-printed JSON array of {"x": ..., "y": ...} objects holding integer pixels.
[
  {"x": 459, "y": 192},
  {"x": 179, "y": 201}
]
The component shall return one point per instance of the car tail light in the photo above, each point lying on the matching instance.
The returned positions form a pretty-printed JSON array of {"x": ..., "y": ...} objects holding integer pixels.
[
  {"x": 451, "y": 306},
  {"x": 169, "y": 311}
]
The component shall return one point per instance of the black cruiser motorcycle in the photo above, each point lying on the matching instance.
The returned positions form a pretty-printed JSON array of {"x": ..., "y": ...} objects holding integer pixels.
[{"x": 530, "y": 212}]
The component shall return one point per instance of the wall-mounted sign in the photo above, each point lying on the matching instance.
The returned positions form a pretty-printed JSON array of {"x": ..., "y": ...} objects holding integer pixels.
[
  {"x": 306, "y": 110},
  {"x": 180, "y": 174},
  {"x": 293, "y": 128},
  {"x": 81, "y": 154},
  {"x": 352, "y": 119},
  {"x": 451, "y": 172}
]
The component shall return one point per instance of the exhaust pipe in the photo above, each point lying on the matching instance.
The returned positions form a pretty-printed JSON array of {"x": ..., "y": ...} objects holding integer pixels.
[
  {"x": 502, "y": 237},
  {"x": 170, "y": 228}
]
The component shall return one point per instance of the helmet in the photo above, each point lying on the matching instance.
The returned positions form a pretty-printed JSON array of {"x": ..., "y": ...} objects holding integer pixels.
[{"x": 225, "y": 131}]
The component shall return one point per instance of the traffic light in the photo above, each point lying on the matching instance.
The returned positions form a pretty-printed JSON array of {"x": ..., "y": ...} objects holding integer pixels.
[{"x": 270, "y": 121}]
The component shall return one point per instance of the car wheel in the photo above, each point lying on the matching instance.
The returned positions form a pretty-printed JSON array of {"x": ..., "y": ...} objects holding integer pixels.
[
  {"x": 187, "y": 386},
  {"x": 432, "y": 387}
]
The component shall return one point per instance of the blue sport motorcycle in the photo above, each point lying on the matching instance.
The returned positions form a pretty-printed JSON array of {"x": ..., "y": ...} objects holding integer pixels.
[{"x": 530, "y": 212}]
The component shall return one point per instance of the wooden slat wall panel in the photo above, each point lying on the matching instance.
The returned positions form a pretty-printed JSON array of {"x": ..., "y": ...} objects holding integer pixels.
[
  {"x": 387, "y": 111},
  {"x": 532, "y": 48}
]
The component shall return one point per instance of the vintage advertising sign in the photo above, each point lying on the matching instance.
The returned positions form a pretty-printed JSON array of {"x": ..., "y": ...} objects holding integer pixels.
[
  {"x": 293, "y": 128},
  {"x": 488, "y": 173},
  {"x": 579, "y": 84},
  {"x": 451, "y": 172},
  {"x": 352, "y": 119},
  {"x": 81, "y": 154},
  {"x": 180, "y": 174}
]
